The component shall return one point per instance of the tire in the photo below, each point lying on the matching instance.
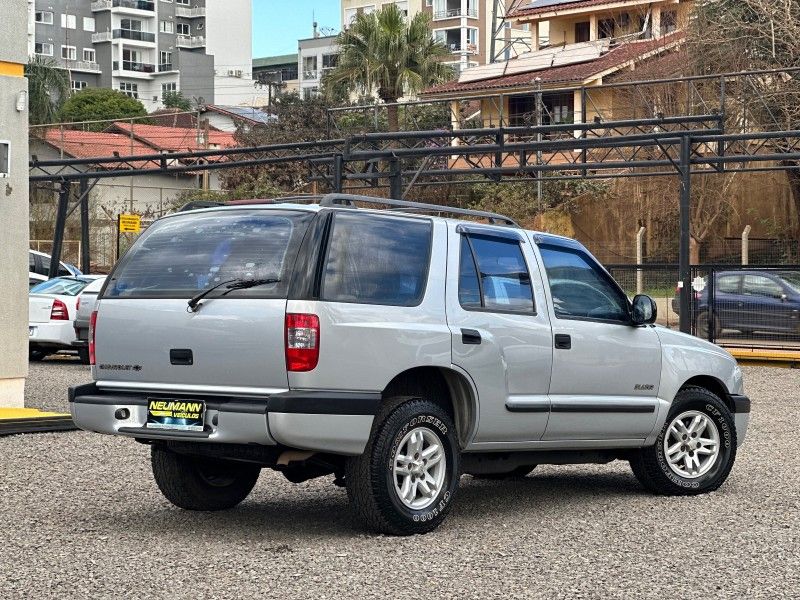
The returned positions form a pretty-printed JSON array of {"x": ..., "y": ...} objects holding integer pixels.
[
  {"x": 374, "y": 487},
  {"x": 83, "y": 355},
  {"x": 652, "y": 467},
  {"x": 200, "y": 483},
  {"x": 703, "y": 324},
  {"x": 520, "y": 472},
  {"x": 36, "y": 355}
]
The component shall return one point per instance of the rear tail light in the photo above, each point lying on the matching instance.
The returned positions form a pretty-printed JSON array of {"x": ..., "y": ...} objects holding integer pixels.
[
  {"x": 92, "y": 331},
  {"x": 59, "y": 311},
  {"x": 302, "y": 342}
]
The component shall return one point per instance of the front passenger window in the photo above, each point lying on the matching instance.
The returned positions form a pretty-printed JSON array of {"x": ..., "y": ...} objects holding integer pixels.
[{"x": 580, "y": 288}]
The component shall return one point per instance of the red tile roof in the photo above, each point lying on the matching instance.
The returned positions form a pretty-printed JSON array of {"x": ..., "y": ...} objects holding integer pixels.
[
  {"x": 575, "y": 73},
  {"x": 175, "y": 139},
  {"x": 95, "y": 144},
  {"x": 535, "y": 10}
]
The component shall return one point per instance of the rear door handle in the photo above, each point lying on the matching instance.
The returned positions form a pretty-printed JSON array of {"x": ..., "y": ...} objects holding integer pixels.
[
  {"x": 470, "y": 337},
  {"x": 563, "y": 341},
  {"x": 181, "y": 356}
]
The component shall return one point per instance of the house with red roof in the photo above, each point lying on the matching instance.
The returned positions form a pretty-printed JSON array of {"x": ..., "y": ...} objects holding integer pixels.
[{"x": 574, "y": 44}]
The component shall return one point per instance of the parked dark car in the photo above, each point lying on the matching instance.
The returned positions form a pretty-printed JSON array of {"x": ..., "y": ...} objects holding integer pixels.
[{"x": 749, "y": 301}]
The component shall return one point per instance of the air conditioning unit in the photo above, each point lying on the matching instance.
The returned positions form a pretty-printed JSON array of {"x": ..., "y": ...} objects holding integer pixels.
[
  {"x": 199, "y": 27},
  {"x": 234, "y": 72}
]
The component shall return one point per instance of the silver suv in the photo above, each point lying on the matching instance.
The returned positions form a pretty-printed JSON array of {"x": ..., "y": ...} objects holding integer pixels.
[{"x": 394, "y": 350}]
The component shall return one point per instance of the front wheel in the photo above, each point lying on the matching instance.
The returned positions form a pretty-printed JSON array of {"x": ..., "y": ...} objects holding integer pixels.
[
  {"x": 201, "y": 484},
  {"x": 405, "y": 481},
  {"x": 696, "y": 449},
  {"x": 36, "y": 355}
]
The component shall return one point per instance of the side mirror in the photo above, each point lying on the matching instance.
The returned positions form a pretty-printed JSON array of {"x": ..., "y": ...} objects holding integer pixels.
[{"x": 644, "y": 310}]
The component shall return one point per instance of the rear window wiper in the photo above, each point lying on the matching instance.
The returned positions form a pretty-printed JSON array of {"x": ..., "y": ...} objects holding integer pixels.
[{"x": 231, "y": 285}]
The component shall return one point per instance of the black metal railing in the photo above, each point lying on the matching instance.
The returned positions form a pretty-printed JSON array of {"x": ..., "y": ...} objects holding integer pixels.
[
  {"x": 136, "y": 67},
  {"x": 135, "y": 4},
  {"x": 134, "y": 34}
]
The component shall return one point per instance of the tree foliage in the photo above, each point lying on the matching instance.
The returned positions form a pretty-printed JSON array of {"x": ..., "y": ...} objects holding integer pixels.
[
  {"x": 385, "y": 53},
  {"x": 176, "y": 100},
  {"x": 48, "y": 88},
  {"x": 100, "y": 104}
]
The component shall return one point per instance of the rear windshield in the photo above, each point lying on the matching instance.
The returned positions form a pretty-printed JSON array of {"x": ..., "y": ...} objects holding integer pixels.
[
  {"x": 61, "y": 286},
  {"x": 180, "y": 256}
]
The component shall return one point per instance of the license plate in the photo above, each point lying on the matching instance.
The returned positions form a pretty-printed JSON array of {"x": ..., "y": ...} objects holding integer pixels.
[
  {"x": 31, "y": 331},
  {"x": 183, "y": 415}
]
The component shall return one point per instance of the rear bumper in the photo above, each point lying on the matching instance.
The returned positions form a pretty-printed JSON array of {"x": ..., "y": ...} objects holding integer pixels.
[
  {"x": 335, "y": 422},
  {"x": 741, "y": 416},
  {"x": 52, "y": 334}
]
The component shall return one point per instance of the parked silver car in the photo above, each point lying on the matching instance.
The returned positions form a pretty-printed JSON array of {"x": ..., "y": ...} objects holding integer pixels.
[
  {"x": 84, "y": 307},
  {"x": 395, "y": 351}
]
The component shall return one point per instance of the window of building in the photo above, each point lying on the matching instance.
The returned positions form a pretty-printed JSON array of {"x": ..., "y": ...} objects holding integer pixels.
[
  {"x": 522, "y": 110},
  {"x": 493, "y": 275},
  {"x": 669, "y": 21},
  {"x": 184, "y": 29},
  {"x": 377, "y": 260},
  {"x": 88, "y": 23},
  {"x": 329, "y": 61},
  {"x": 581, "y": 289},
  {"x": 184, "y": 2},
  {"x": 606, "y": 28},
  {"x": 44, "y": 17},
  {"x": 645, "y": 27},
  {"x": 403, "y": 7},
  {"x": 165, "y": 61},
  {"x": 167, "y": 27},
  {"x": 167, "y": 88},
  {"x": 43, "y": 49},
  {"x": 309, "y": 67},
  {"x": 68, "y": 21},
  {"x": 89, "y": 55},
  {"x": 77, "y": 86},
  {"x": 582, "y": 32},
  {"x": 129, "y": 89},
  {"x": 69, "y": 53}
]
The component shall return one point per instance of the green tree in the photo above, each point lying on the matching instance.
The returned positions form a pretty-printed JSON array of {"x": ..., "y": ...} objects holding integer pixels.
[
  {"x": 176, "y": 100},
  {"x": 48, "y": 88},
  {"x": 100, "y": 104},
  {"x": 385, "y": 53}
]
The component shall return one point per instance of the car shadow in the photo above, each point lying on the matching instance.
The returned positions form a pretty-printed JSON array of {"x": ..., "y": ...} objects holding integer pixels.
[{"x": 321, "y": 512}]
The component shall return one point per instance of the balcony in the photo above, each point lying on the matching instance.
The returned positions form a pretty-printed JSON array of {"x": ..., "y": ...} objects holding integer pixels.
[
  {"x": 165, "y": 68},
  {"x": 195, "y": 41},
  {"x": 455, "y": 13},
  {"x": 312, "y": 74},
  {"x": 103, "y": 36},
  {"x": 123, "y": 5},
  {"x": 190, "y": 13},
  {"x": 82, "y": 65},
  {"x": 134, "y": 67}
]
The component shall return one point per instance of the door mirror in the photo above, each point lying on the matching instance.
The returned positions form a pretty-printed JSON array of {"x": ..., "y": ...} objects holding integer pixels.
[{"x": 644, "y": 310}]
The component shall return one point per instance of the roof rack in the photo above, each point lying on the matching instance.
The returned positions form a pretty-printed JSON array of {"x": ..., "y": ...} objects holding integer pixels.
[{"x": 349, "y": 200}]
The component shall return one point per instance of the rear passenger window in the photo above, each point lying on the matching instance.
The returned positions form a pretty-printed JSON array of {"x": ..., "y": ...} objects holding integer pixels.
[
  {"x": 493, "y": 275},
  {"x": 377, "y": 260},
  {"x": 728, "y": 284}
]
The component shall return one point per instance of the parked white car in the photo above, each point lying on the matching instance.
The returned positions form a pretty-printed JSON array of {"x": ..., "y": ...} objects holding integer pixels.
[
  {"x": 83, "y": 313},
  {"x": 39, "y": 268},
  {"x": 52, "y": 306}
]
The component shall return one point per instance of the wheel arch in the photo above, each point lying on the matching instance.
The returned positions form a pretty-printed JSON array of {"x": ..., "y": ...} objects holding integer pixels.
[
  {"x": 454, "y": 391},
  {"x": 713, "y": 385}
]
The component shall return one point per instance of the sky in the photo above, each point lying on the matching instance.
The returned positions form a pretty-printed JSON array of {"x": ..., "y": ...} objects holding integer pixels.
[{"x": 278, "y": 24}]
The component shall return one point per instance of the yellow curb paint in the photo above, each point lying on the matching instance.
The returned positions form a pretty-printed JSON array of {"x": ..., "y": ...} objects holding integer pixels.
[
  {"x": 26, "y": 413},
  {"x": 12, "y": 69},
  {"x": 775, "y": 358}
]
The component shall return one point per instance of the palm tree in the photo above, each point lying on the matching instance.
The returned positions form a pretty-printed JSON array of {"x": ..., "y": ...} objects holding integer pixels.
[
  {"x": 48, "y": 88},
  {"x": 384, "y": 53}
]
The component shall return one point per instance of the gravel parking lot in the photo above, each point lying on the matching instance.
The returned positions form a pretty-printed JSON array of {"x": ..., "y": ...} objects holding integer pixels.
[{"x": 81, "y": 517}]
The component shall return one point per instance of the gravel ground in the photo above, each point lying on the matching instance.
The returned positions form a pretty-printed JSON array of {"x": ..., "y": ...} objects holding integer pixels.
[{"x": 83, "y": 518}]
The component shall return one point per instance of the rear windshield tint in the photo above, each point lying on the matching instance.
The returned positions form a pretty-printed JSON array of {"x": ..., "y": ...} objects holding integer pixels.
[
  {"x": 180, "y": 256},
  {"x": 61, "y": 286},
  {"x": 377, "y": 260}
]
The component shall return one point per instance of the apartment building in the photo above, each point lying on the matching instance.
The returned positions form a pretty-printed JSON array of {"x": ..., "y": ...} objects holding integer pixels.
[
  {"x": 147, "y": 48},
  {"x": 315, "y": 56},
  {"x": 465, "y": 27},
  {"x": 573, "y": 43}
]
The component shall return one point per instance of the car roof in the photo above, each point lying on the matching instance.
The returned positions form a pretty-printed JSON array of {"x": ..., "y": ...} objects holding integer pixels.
[{"x": 273, "y": 205}]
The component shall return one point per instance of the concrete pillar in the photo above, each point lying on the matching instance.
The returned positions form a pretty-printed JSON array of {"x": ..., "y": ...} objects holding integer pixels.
[
  {"x": 14, "y": 236},
  {"x": 593, "y": 21}
]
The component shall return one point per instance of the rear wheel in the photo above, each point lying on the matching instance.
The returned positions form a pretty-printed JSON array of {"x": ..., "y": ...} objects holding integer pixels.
[
  {"x": 405, "y": 480},
  {"x": 36, "y": 355},
  {"x": 201, "y": 484},
  {"x": 83, "y": 354},
  {"x": 704, "y": 322},
  {"x": 696, "y": 449}
]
